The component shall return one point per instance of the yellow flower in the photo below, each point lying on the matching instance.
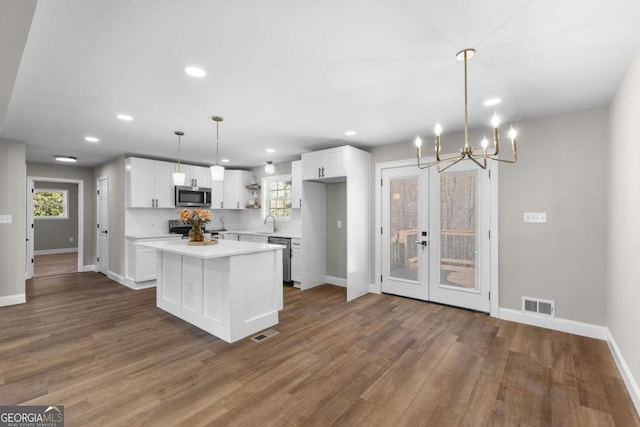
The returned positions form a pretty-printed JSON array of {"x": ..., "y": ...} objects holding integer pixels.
[
  {"x": 185, "y": 215},
  {"x": 204, "y": 215}
]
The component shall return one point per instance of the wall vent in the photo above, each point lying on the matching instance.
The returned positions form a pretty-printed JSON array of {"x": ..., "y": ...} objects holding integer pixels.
[{"x": 539, "y": 307}]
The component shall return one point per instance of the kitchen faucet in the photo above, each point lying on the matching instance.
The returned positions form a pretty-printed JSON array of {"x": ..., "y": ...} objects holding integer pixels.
[{"x": 274, "y": 222}]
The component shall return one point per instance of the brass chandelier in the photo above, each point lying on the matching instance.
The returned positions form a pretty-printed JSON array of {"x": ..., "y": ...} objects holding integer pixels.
[{"x": 467, "y": 151}]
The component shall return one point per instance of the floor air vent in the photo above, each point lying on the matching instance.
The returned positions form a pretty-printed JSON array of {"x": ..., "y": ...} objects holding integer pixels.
[
  {"x": 538, "y": 306},
  {"x": 264, "y": 335}
]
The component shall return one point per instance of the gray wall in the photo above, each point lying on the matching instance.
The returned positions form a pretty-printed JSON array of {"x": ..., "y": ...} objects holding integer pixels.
[
  {"x": 337, "y": 237},
  {"x": 114, "y": 170},
  {"x": 561, "y": 171},
  {"x": 58, "y": 233},
  {"x": 80, "y": 173},
  {"x": 13, "y": 178},
  {"x": 623, "y": 292}
]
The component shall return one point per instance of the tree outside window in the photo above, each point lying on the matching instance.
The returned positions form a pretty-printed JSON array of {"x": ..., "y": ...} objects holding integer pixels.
[
  {"x": 49, "y": 204},
  {"x": 278, "y": 195}
]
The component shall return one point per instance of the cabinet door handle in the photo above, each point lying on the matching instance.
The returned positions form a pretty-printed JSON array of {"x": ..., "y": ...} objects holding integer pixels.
[
  {"x": 319, "y": 176},
  {"x": 238, "y": 204},
  {"x": 300, "y": 202},
  {"x": 323, "y": 171},
  {"x": 221, "y": 205}
]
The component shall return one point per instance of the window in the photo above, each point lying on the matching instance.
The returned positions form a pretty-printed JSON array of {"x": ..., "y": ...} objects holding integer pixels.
[
  {"x": 278, "y": 196},
  {"x": 50, "y": 204}
]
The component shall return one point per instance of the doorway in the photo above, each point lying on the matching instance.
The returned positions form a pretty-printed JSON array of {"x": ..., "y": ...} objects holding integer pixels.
[
  {"x": 435, "y": 242},
  {"x": 62, "y": 249}
]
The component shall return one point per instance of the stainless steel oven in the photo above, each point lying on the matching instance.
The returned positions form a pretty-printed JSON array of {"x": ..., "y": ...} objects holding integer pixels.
[{"x": 187, "y": 196}]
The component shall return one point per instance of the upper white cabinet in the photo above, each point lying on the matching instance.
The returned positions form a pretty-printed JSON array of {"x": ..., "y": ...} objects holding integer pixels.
[
  {"x": 149, "y": 183},
  {"x": 197, "y": 176},
  {"x": 235, "y": 194},
  {"x": 324, "y": 164},
  {"x": 296, "y": 184},
  {"x": 217, "y": 194}
]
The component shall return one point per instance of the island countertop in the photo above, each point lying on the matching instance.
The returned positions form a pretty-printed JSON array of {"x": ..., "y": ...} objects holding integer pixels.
[{"x": 224, "y": 248}]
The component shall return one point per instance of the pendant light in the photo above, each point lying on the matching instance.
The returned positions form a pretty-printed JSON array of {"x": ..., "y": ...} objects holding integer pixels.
[
  {"x": 178, "y": 176},
  {"x": 217, "y": 171}
]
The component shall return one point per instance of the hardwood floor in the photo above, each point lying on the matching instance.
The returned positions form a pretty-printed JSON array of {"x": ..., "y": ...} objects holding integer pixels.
[
  {"x": 111, "y": 357},
  {"x": 54, "y": 264}
]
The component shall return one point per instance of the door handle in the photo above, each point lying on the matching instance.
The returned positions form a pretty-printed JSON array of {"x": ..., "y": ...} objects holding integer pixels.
[{"x": 421, "y": 242}]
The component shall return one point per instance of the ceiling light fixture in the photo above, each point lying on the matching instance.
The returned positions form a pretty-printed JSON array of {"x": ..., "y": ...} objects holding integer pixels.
[
  {"x": 217, "y": 171},
  {"x": 225, "y": 160},
  {"x": 491, "y": 102},
  {"x": 467, "y": 151},
  {"x": 271, "y": 150},
  {"x": 91, "y": 139},
  {"x": 269, "y": 167},
  {"x": 65, "y": 159},
  {"x": 125, "y": 117},
  {"x": 350, "y": 133},
  {"x": 179, "y": 176},
  {"x": 195, "y": 71}
]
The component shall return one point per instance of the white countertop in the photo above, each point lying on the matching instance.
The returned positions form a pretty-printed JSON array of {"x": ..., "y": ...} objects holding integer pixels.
[
  {"x": 261, "y": 233},
  {"x": 153, "y": 236},
  {"x": 224, "y": 248}
]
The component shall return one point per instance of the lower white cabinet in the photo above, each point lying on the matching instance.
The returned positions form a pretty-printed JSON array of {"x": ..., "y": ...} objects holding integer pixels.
[
  {"x": 141, "y": 262},
  {"x": 253, "y": 238},
  {"x": 296, "y": 260},
  {"x": 228, "y": 236}
]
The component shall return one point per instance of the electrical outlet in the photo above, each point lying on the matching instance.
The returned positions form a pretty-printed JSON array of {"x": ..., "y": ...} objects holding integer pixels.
[
  {"x": 5, "y": 219},
  {"x": 71, "y": 239},
  {"x": 539, "y": 217},
  {"x": 339, "y": 224}
]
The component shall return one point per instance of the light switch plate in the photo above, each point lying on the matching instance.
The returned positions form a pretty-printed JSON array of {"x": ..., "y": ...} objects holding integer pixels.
[
  {"x": 538, "y": 217},
  {"x": 5, "y": 219}
]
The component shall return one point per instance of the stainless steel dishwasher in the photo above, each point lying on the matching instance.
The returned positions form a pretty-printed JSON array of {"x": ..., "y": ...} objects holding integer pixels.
[{"x": 286, "y": 256}]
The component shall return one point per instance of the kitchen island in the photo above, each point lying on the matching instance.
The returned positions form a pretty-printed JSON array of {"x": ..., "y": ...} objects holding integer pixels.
[{"x": 231, "y": 290}]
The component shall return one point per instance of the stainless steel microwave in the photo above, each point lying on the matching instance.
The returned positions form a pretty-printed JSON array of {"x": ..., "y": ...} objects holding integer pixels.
[{"x": 187, "y": 196}]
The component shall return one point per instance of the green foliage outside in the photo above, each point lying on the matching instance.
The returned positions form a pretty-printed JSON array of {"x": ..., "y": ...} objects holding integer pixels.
[{"x": 48, "y": 204}]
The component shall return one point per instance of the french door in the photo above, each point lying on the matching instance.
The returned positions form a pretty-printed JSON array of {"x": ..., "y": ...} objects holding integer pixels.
[{"x": 435, "y": 235}]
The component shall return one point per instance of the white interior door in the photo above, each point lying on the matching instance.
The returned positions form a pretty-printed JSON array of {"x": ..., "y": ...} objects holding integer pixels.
[
  {"x": 103, "y": 226},
  {"x": 435, "y": 234},
  {"x": 405, "y": 229}
]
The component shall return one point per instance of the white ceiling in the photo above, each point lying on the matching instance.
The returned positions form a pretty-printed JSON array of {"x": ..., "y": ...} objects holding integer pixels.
[{"x": 294, "y": 75}]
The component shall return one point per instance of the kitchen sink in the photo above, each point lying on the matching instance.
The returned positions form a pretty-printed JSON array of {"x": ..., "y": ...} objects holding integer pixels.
[{"x": 264, "y": 232}]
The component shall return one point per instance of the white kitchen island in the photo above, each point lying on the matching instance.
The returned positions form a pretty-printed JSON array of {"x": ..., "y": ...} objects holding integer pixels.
[{"x": 231, "y": 290}]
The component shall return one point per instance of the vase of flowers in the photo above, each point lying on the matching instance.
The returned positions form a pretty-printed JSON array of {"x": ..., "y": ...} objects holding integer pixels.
[{"x": 197, "y": 218}]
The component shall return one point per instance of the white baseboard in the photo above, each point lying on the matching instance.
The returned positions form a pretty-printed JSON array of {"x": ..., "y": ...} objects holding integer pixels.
[
  {"x": 374, "y": 288},
  {"x": 91, "y": 267},
  {"x": 338, "y": 281},
  {"x": 13, "y": 300},
  {"x": 55, "y": 251},
  {"x": 557, "y": 324},
  {"x": 625, "y": 372},
  {"x": 132, "y": 284},
  {"x": 115, "y": 277}
]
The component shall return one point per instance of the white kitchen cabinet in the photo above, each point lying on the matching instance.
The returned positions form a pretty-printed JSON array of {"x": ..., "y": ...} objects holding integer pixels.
[
  {"x": 197, "y": 176},
  {"x": 217, "y": 192},
  {"x": 149, "y": 183},
  {"x": 296, "y": 184},
  {"x": 228, "y": 236},
  {"x": 296, "y": 260},
  {"x": 235, "y": 194},
  {"x": 324, "y": 164},
  {"x": 253, "y": 238},
  {"x": 140, "y": 262}
]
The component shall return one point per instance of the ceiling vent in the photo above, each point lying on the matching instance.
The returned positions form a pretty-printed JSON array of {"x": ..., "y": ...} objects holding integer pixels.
[{"x": 539, "y": 307}]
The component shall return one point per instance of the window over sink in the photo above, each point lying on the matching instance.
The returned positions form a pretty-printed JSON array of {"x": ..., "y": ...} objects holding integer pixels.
[{"x": 277, "y": 196}]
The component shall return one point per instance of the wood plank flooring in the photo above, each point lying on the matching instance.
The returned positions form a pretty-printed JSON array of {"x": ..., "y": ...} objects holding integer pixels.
[
  {"x": 112, "y": 358},
  {"x": 54, "y": 264}
]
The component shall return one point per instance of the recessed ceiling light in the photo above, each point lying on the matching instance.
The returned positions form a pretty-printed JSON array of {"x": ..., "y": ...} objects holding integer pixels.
[
  {"x": 91, "y": 139},
  {"x": 195, "y": 71},
  {"x": 225, "y": 160},
  {"x": 271, "y": 150},
  {"x": 67, "y": 159},
  {"x": 492, "y": 101},
  {"x": 350, "y": 133},
  {"x": 125, "y": 117}
]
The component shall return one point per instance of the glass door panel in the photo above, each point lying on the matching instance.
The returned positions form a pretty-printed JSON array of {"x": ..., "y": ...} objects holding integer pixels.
[{"x": 403, "y": 207}]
